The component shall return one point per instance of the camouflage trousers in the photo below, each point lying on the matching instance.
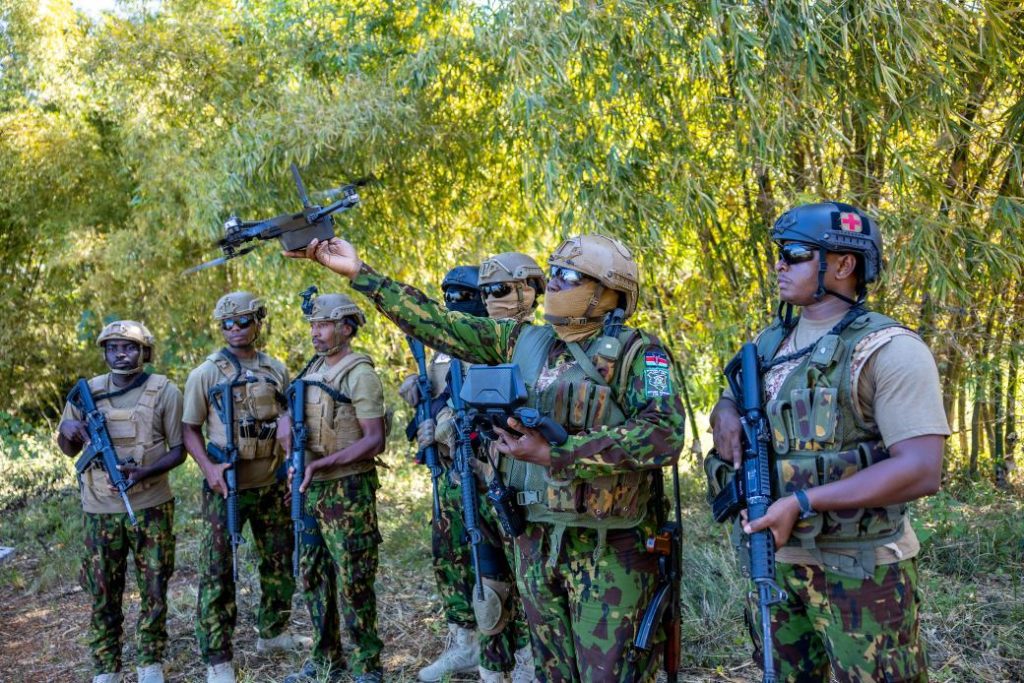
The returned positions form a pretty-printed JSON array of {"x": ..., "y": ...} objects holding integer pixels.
[
  {"x": 108, "y": 539},
  {"x": 453, "y": 572},
  {"x": 583, "y": 612},
  {"x": 858, "y": 630},
  {"x": 270, "y": 523},
  {"x": 346, "y": 562}
]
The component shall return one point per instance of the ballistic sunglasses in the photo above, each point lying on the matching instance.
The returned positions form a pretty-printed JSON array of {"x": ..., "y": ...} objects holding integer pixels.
[
  {"x": 496, "y": 289},
  {"x": 794, "y": 252},
  {"x": 454, "y": 295},
  {"x": 573, "y": 277},
  {"x": 243, "y": 322}
]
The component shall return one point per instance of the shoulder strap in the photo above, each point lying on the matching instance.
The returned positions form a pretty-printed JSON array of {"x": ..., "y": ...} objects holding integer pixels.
[{"x": 136, "y": 383}]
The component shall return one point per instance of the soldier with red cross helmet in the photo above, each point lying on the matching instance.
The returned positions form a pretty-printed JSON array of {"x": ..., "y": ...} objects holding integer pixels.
[{"x": 857, "y": 425}]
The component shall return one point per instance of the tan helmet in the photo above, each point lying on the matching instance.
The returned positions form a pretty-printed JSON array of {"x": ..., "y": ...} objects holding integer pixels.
[
  {"x": 605, "y": 259},
  {"x": 512, "y": 266},
  {"x": 239, "y": 303},
  {"x": 129, "y": 330},
  {"x": 335, "y": 307}
]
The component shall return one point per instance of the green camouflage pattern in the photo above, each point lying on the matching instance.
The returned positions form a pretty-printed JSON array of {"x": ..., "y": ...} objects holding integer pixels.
[
  {"x": 216, "y": 612},
  {"x": 453, "y": 571},
  {"x": 857, "y": 630},
  {"x": 651, "y": 437},
  {"x": 108, "y": 540},
  {"x": 338, "y": 576},
  {"x": 583, "y": 614}
]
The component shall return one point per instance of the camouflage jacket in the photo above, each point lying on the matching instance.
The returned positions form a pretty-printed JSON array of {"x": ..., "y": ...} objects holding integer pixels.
[{"x": 652, "y": 435}]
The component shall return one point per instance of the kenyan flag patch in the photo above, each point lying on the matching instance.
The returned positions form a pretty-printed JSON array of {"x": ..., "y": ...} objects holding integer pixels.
[{"x": 657, "y": 378}]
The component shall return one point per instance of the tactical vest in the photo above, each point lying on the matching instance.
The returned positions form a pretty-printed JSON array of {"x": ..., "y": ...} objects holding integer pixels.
[
  {"x": 133, "y": 434},
  {"x": 256, "y": 400},
  {"x": 819, "y": 437},
  {"x": 579, "y": 399},
  {"x": 331, "y": 422}
]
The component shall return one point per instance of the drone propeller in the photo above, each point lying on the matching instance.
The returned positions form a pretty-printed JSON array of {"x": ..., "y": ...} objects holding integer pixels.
[{"x": 219, "y": 260}]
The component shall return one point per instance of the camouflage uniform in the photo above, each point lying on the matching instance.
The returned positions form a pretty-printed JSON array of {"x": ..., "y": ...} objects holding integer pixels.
[
  {"x": 108, "y": 532},
  {"x": 559, "y": 560},
  {"x": 217, "y": 610},
  {"x": 261, "y": 502}
]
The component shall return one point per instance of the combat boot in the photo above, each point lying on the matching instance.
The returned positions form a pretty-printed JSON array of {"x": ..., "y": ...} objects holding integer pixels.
[
  {"x": 524, "y": 671},
  {"x": 284, "y": 642},
  {"x": 108, "y": 678},
  {"x": 461, "y": 655},
  {"x": 488, "y": 676},
  {"x": 220, "y": 673},
  {"x": 152, "y": 673}
]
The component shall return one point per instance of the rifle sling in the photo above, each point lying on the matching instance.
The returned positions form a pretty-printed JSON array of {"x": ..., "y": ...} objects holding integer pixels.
[{"x": 135, "y": 383}]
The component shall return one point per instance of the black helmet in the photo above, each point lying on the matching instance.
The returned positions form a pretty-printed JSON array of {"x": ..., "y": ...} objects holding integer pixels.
[
  {"x": 462, "y": 276},
  {"x": 837, "y": 227},
  {"x": 467, "y": 278}
]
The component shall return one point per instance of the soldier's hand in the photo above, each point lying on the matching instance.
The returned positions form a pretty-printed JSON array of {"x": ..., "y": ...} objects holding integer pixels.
[
  {"x": 132, "y": 473},
  {"x": 781, "y": 516},
  {"x": 409, "y": 390},
  {"x": 335, "y": 254},
  {"x": 726, "y": 430},
  {"x": 306, "y": 480},
  {"x": 425, "y": 434},
  {"x": 74, "y": 431},
  {"x": 215, "y": 478},
  {"x": 531, "y": 446}
]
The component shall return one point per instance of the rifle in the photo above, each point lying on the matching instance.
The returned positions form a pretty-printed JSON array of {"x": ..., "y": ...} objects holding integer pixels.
[
  {"x": 665, "y": 606},
  {"x": 297, "y": 462},
  {"x": 751, "y": 489},
  {"x": 100, "y": 446},
  {"x": 422, "y": 415},
  {"x": 463, "y": 465},
  {"x": 293, "y": 230},
  {"x": 222, "y": 401}
]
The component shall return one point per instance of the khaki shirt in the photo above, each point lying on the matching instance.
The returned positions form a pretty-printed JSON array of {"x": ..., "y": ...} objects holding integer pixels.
[
  {"x": 898, "y": 392},
  {"x": 166, "y": 429},
  {"x": 363, "y": 387},
  {"x": 251, "y": 473}
]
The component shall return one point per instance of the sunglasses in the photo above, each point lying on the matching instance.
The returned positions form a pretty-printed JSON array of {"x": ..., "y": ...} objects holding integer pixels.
[
  {"x": 794, "y": 253},
  {"x": 496, "y": 289},
  {"x": 454, "y": 295},
  {"x": 573, "y": 277},
  {"x": 243, "y": 322}
]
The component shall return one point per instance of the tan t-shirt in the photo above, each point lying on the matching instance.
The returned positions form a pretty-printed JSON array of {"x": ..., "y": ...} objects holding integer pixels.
[
  {"x": 362, "y": 385},
  {"x": 251, "y": 473},
  {"x": 166, "y": 430},
  {"x": 898, "y": 392}
]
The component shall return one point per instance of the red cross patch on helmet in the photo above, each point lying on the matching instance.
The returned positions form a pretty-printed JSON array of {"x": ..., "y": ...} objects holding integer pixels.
[{"x": 850, "y": 222}]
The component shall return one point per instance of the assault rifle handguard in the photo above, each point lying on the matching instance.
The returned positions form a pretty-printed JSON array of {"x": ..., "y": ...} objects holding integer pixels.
[
  {"x": 297, "y": 463},
  {"x": 463, "y": 457},
  {"x": 293, "y": 230},
  {"x": 100, "y": 447},
  {"x": 429, "y": 453}
]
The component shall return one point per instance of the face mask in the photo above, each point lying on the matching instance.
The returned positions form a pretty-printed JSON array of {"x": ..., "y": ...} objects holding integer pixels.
[
  {"x": 577, "y": 303},
  {"x": 516, "y": 305}
]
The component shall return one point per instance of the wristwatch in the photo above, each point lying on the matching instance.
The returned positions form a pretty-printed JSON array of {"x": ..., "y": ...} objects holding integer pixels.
[{"x": 805, "y": 505}]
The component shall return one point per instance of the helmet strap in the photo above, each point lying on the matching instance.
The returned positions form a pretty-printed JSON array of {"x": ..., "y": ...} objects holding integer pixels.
[
  {"x": 823, "y": 290},
  {"x": 337, "y": 347},
  {"x": 129, "y": 371}
]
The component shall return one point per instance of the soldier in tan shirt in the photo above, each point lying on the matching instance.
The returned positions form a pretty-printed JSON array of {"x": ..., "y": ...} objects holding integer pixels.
[
  {"x": 257, "y": 383},
  {"x": 143, "y": 418}
]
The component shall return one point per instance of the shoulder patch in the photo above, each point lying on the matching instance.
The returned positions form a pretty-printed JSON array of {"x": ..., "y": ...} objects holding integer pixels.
[{"x": 657, "y": 375}]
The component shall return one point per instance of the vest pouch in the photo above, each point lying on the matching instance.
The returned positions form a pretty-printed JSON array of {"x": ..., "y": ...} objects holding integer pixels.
[
  {"x": 578, "y": 412},
  {"x": 824, "y": 416},
  {"x": 247, "y": 437},
  {"x": 801, "y": 401},
  {"x": 836, "y": 466},
  {"x": 150, "y": 456},
  {"x": 616, "y": 495},
  {"x": 880, "y": 521},
  {"x": 320, "y": 426},
  {"x": 565, "y": 495},
  {"x": 600, "y": 405},
  {"x": 261, "y": 400},
  {"x": 345, "y": 426},
  {"x": 122, "y": 429},
  {"x": 555, "y": 403},
  {"x": 778, "y": 419},
  {"x": 797, "y": 473}
]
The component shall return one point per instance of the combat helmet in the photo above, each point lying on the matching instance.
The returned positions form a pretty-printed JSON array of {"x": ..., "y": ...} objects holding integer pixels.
[
  {"x": 336, "y": 307},
  {"x": 512, "y": 266},
  {"x": 129, "y": 330},
  {"x": 464, "y": 278},
  {"x": 605, "y": 259},
  {"x": 239, "y": 303},
  {"x": 835, "y": 227}
]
